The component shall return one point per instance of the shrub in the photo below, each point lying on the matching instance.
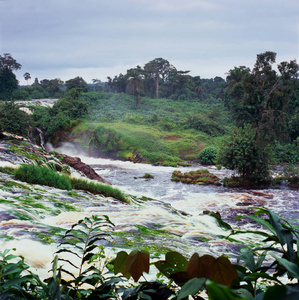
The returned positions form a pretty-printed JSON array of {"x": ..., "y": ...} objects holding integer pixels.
[
  {"x": 241, "y": 152},
  {"x": 208, "y": 155},
  {"x": 42, "y": 175}
]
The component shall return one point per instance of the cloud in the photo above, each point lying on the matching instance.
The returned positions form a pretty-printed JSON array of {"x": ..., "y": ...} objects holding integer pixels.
[
  {"x": 180, "y": 6},
  {"x": 99, "y": 38}
]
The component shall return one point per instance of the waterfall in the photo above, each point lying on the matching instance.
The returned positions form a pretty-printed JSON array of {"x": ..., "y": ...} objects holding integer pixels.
[{"x": 41, "y": 138}]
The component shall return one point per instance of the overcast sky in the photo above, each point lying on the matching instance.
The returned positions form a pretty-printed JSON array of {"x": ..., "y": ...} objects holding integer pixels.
[{"x": 99, "y": 38}]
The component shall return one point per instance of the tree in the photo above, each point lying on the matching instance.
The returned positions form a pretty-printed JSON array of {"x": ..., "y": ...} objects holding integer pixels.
[
  {"x": 242, "y": 152},
  {"x": 7, "y": 62},
  {"x": 52, "y": 87},
  {"x": 8, "y": 80},
  {"x": 157, "y": 69},
  {"x": 14, "y": 120},
  {"x": 260, "y": 97},
  {"x": 135, "y": 78},
  {"x": 96, "y": 84},
  {"x": 35, "y": 81},
  {"x": 27, "y": 77},
  {"x": 77, "y": 83},
  {"x": 8, "y": 83}
]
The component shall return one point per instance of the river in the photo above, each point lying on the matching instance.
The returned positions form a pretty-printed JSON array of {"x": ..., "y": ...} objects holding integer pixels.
[{"x": 170, "y": 217}]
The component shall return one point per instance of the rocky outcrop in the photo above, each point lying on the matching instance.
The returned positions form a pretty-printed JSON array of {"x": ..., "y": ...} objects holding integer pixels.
[{"x": 77, "y": 164}]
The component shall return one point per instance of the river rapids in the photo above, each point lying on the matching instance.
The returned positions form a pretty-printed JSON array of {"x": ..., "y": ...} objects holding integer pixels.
[{"x": 163, "y": 215}]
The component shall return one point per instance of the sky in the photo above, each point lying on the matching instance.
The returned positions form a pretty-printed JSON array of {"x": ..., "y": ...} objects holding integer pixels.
[{"x": 94, "y": 39}]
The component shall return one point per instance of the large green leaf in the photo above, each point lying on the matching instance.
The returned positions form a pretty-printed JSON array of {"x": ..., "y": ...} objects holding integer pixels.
[
  {"x": 277, "y": 292},
  {"x": 263, "y": 222},
  {"x": 137, "y": 263},
  {"x": 174, "y": 262},
  {"x": 120, "y": 263},
  {"x": 191, "y": 287},
  {"x": 220, "y": 292},
  {"x": 247, "y": 256},
  {"x": 292, "y": 268}
]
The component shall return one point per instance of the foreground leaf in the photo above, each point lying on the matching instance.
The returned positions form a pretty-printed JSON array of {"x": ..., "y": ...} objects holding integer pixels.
[
  {"x": 137, "y": 263},
  {"x": 174, "y": 262},
  {"x": 120, "y": 263},
  {"x": 192, "y": 287}
]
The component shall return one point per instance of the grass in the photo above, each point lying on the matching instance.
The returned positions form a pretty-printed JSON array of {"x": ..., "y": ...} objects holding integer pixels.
[
  {"x": 7, "y": 170},
  {"x": 97, "y": 188},
  {"x": 42, "y": 175},
  {"x": 153, "y": 144}
]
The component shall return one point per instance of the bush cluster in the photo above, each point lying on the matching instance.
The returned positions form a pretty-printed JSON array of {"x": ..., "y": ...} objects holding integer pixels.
[{"x": 208, "y": 156}]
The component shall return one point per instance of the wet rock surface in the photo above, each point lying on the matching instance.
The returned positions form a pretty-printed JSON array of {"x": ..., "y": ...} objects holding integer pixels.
[{"x": 76, "y": 163}]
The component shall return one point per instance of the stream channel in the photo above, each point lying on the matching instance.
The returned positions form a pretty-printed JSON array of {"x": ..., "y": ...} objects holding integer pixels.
[{"x": 172, "y": 219}]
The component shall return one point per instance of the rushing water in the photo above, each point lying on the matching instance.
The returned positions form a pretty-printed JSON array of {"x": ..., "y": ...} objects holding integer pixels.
[
  {"x": 174, "y": 207},
  {"x": 192, "y": 199},
  {"x": 189, "y": 200}
]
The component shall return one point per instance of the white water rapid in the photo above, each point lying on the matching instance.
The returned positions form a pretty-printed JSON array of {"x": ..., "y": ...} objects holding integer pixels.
[{"x": 174, "y": 213}]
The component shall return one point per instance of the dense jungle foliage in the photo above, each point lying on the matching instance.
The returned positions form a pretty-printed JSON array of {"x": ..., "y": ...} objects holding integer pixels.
[{"x": 162, "y": 115}]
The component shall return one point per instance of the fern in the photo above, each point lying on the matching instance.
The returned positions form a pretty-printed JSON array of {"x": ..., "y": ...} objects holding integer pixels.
[{"x": 80, "y": 241}]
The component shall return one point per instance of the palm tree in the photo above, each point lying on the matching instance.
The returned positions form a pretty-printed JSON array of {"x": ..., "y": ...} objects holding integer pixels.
[
  {"x": 27, "y": 77},
  {"x": 96, "y": 82}
]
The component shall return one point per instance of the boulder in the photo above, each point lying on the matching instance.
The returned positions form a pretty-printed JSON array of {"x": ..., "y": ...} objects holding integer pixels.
[{"x": 77, "y": 164}]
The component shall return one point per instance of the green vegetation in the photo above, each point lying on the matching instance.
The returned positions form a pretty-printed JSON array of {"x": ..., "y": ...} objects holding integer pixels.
[
  {"x": 208, "y": 155},
  {"x": 162, "y": 115},
  {"x": 7, "y": 170},
  {"x": 14, "y": 120},
  {"x": 260, "y": 100},
  {"x": 195, "y": 177},
  {"x": 42, "y": 175},
  {"x": 8, "y": 80},
  {"x": 97, "y": 188},
  {"x": 178, "y": 276},
  {"x": 147, "y": 176},
  {"x": 242, "y": 152},
  {"x": 45, "y": 176}
]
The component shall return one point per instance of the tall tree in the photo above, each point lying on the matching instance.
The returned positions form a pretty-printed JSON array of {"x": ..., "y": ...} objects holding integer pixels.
[
  {"x": 264, "y": 94},
  {"x": 8, "y": 80},
  {"x": 135, "y": 78},
  {"x": 96, "y": 82},
  {"x": 27, "y": 77},
  {"x": 158, "y": 69},
  {"x": 260, "y": 96}
]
